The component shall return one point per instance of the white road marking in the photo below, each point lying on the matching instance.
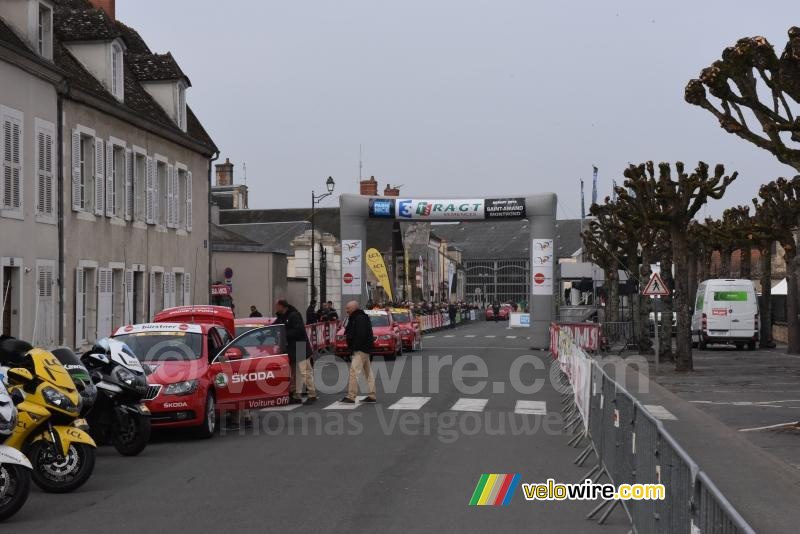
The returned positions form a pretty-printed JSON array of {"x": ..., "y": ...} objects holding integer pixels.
[
  {"x": 511, "y": 337},
  {"x": 449, "y": 335},
  {"x": 492, "y": 335},
  {"x": 469, "y": 335},
  {"x": 531, "y": 407},
  {"x": 469, "y": 405},
  {"x": 659, "y": 412},
  {"x": 790, "y": 424},
  {"x": 339, "y": 405},
  {"x": 287, "y": 408},
  {"x": 409, "y": 403}
]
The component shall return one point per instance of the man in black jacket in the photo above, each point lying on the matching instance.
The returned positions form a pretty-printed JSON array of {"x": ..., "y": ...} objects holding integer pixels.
[
  {"x": 311, "y": 313},
  {"x": 299, "y": 350},
  {"x": 360, "y": 342}
]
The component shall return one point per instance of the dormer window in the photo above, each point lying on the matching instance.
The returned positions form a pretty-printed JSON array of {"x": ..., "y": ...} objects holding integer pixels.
[
  {"x": 180, "y": 101},
  {"x": 117, "y": 76},
  {"x": 44, "y": 31}
]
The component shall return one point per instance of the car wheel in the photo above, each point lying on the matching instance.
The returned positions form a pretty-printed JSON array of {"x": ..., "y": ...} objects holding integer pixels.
[
  {"x": 739, "y": 346},
  {"x": 207, "y": 428}
]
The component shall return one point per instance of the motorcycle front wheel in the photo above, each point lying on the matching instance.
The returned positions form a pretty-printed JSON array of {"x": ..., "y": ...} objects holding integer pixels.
[
  {"x": 130, "y": 433},
  {"x": 15, "y": 484},
  {"x": 63, "y": 476}
]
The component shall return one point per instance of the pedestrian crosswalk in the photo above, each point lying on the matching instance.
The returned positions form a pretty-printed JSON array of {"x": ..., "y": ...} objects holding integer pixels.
[{"x": 412, "y": 403}]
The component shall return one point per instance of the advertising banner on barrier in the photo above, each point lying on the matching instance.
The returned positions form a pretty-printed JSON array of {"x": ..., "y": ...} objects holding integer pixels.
[
  {"x": 586, "y": 335},
  {"x": 519, "y": 320},
  {"x": 577, "y": 365}
]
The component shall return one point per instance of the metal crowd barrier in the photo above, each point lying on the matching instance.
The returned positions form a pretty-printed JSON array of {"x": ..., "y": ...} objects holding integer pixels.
[
  {"x": 633, "y": 447},
  {"x": 617, "y": 336},
  {"x": 322, "y": 336}
]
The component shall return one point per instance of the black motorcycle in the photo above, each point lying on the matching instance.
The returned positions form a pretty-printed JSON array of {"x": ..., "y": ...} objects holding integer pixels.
[{"x": 118, "y": 414}]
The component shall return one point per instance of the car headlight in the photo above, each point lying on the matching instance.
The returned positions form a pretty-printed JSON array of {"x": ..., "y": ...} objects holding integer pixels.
[
  {"x": 181, "y": 388},
  {"x": 59, "y": 400}
]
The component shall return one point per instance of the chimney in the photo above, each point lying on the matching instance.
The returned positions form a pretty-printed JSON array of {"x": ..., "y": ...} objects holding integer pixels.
[
  {"x": 225, "y": 172},
  {"x": 106, "y": 5},
  {"x": 369, "y": 187},
  {"x": 390, "y": 191}
]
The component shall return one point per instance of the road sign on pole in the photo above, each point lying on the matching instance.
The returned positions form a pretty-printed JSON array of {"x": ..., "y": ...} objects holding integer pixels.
[{"x": 655, "y": 287}]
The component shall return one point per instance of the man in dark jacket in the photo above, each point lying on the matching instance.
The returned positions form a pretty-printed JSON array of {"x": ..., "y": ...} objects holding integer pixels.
[
  {"x": 496, "y": 311},
  {"x": 360, "y": 338},
  {"x": 330, "y": 312},
  {"x": 299, "y": 350},
  {"x": 254, "y": 312},
  {"x": 311, "y": 313}
]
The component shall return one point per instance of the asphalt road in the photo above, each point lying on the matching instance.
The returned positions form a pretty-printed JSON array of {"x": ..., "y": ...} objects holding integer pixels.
[{"x": 368, "y": 469}]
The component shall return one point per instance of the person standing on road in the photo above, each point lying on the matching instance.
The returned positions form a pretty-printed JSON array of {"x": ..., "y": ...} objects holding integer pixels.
[
  {"x": 451, "y": 311},
  {"x": 496, "y": 311},
  {"x": 299, "y": 350},
  {"x": 311, "y": 312},
  {"x": 360, "y": 338},
  {"x": 254, "y": 312}
]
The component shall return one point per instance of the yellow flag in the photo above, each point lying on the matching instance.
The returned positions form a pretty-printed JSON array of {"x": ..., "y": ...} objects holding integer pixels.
[{"x": 378, "y": 268}]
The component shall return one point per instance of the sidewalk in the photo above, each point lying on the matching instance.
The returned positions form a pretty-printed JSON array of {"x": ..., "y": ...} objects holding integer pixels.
[{"x": 763, "y": 487}]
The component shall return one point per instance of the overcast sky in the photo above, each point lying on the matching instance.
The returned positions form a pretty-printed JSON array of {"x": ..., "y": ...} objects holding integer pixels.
[{"x": 457, "y": 97}]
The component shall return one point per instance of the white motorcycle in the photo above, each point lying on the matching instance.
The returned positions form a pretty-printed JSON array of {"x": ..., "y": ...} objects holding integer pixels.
[{"x": 15, "y": 469}]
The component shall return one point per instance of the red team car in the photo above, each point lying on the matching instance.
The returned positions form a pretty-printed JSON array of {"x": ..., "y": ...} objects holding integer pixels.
[
  {"x": 410, "y": 331},
  {"x": 387, "y": 336},
  {"x": 194, "y": 375}
]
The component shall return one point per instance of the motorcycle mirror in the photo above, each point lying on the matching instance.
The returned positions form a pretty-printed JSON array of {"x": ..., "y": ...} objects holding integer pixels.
[
  {"x": 17, "y": 396},
  {"x": 19, "y": 375},
  {"x": 234, "y": 353}
]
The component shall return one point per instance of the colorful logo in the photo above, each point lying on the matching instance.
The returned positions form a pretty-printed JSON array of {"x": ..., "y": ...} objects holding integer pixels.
[
  {"x": 495, "y": 489},
  {"x": 381, "y": 208}
]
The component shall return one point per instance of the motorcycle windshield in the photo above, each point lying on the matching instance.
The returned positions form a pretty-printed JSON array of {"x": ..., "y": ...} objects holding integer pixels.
[{"x": 48, "y": 368}]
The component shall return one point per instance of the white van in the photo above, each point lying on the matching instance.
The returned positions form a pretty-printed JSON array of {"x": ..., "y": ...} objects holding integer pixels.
[{"x": 725, "y": 312}]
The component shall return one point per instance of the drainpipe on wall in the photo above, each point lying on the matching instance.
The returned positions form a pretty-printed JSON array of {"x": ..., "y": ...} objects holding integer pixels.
[
  {"x": 208, "y": 202},
  {"x": 60, "y": 211}
]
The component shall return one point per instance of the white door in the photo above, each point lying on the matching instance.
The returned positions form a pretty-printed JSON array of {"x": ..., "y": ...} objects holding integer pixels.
[
  {"x": 44, "y": 330},
  {"x": 741, "y": 309}
]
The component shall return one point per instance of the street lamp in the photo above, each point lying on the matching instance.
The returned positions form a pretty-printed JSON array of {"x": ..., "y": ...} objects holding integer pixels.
[{"x": 316, "y": 199}]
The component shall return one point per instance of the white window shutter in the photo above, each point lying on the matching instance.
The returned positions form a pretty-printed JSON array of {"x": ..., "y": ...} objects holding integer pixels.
[
  {"x": 80, "y": 292},
  {"x": 128, "y": 318},
  {"x": 187, "y": 289},
  {"x": 152, "y": 295},
  {"x": 189, "y": 201},
  {"x": 165, "y": 286},
  {"x": 150, "y": 196},
  {"x": 170, "y": 196},
  {"x": 11, "y": 163},
  {"x": 49, "y": 168},
  {"x": 111, "y": 178},
  {"x": 129, "y": 200},
  {"x": 105, "y": 293},
  {"x": 44, "y": 332},
  {"x": 77, "y": 179},
  {"x": 99, "y": 176},
  {"x": 40, "y": 176},
  {"x": 176, "y": 195}
]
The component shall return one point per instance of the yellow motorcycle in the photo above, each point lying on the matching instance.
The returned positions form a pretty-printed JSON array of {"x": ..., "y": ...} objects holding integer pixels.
[{"x": 62, "y": 455}]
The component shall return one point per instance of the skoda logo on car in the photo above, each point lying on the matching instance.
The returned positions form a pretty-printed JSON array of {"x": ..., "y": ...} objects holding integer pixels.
[{"x": 252, "y": 377}]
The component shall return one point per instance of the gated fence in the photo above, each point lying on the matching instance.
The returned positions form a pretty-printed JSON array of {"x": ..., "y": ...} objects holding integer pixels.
[{"x": 633, "y": 447}]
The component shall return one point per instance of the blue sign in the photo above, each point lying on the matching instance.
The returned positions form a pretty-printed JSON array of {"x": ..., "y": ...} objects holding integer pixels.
[
  {"x": 382, "y": 208},
  {"x": 525, "y": 319},
  {"x": 404, "y": 208}
]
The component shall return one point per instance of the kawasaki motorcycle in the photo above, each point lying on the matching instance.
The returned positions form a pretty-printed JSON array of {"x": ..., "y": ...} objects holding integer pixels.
[
  {"x": 15, "y": 469},
  {"x": 47, "y": 430},
  {"x": 118, "y": 414}
]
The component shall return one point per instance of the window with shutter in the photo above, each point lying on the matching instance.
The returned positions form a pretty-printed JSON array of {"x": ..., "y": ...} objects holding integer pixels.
[
  {"x": 128, "y": 319},
  {"x": 189, "y": 201},
  {"x": 175, "y": 197},
  {"x": 12, "y": 160},
  {"x": 44, "y": 325},
  {"x": 99, "y": 176},
  {"x": 44, "y": 169},
  {"x": 129, "y": 193},
  {"x": 77, "y": 178},
  {"x": 187, "y": 289},
  {"x": 105, "y": 292},
  {"x": 152, "y": 290}
]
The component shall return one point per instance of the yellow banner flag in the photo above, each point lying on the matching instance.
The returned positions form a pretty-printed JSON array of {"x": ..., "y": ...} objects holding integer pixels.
[{"x": 378, "y": 268}]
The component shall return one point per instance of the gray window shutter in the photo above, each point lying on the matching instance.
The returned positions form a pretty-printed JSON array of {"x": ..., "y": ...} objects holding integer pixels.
[
  {"x": 128, "y": 319},
  {"x": 129, "y": 199},
  {"x": 77, "y": 179},
  {"x": 111, "y": 182},
  {"x": 99, "y": 175},
  {"x": 189, "y": 201},
  {"x": 80, "y": 293},
  {"x": 150, "y": 197},
  {"x": 170, "y": 222},
  {"x": 187, "y": 289}
]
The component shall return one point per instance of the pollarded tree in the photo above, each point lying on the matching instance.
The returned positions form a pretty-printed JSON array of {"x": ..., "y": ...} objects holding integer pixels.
[
  {"x": 779, "y": 209},
  {"x": 747, "y": 74},
  {"x": 603, "y": 242},
  {"x": 680, "y": 200},
  {"x": 764, "y": 235},
  {"x": 738, "y": 225}
]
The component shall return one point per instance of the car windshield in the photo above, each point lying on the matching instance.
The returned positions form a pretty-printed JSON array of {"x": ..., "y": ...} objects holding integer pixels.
[
  {"x": 379, "y": 320},
  {"x": 164, "y": 346},
  {"x": 401, "y": 318}
]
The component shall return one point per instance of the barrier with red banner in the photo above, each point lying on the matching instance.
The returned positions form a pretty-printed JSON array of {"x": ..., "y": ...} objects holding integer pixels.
[{"x": 585, "y": 335}]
